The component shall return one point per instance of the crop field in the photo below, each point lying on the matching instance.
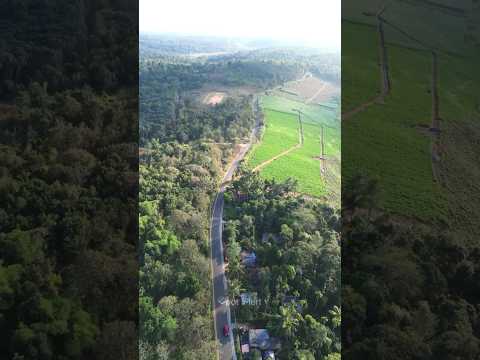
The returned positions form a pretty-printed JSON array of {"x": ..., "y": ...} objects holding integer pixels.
[
  {"x": 310, "y": 90},
  {"x": 281, "y": 133},
  {"x": 361, "y": 75},
  {"x": 391, "y": 145},
  {"x": 316, "y": 112},
  {"x": 302, "y": 163},
  {"x": 393, "y": 149},
  {"x": 412, "y": 15}
]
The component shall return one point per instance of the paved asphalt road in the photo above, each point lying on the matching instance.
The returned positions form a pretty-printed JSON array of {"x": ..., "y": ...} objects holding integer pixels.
[{"x": 226, "y": 347}]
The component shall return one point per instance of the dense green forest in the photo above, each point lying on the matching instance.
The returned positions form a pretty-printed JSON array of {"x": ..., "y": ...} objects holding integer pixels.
[
  {"x": 297, "y": 245},
  {"x": 169, "y": 112},
  {"x": 408, "y": 290},
  {"x": 175, "y": 291},
  {"x": 68, "y": 180}
]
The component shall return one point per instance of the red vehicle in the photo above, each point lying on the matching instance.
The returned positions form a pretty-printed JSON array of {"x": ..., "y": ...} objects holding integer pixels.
[{"x": 226, "y": 330}]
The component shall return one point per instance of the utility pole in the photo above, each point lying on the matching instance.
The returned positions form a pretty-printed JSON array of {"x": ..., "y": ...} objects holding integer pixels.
[
  {"x": 323, "y": 163},
  {"x": 383, "y": 57},
  {"x": 323, "y": 142},
  {"x": 435, "y": 127},
  {"x": 300, "y": 124}
]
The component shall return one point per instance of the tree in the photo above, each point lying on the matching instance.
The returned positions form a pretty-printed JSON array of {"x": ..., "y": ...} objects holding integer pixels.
[{"x": 335, "y": 316}]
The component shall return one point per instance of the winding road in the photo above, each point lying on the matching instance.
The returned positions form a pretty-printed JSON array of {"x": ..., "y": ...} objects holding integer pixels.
[{"x": 221, "y": 306}]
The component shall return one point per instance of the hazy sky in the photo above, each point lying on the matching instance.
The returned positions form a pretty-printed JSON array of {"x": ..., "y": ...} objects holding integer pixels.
[{"x": 315, "y": 22}]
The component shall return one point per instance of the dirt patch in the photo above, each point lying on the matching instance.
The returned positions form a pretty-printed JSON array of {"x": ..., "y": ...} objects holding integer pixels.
[{"x": 214, "y": 98}]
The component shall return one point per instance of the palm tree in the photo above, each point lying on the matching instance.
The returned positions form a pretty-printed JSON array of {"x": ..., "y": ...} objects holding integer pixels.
[
  {"x": 289, "y": 320},
  {"x": 335, "y": 316}
]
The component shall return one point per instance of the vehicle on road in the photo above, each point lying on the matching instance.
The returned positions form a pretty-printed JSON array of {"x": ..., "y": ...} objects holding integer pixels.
[{"x": 226, "y": 330}]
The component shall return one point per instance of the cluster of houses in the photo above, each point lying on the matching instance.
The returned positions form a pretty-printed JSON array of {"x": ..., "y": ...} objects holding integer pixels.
[
  {"x": 257, "y": 342},
  {"x": 254, "y": 341}
]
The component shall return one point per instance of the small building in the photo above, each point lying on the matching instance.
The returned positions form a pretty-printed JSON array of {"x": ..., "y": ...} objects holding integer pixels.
[
  {"x": 248, "y": 259},
  {"x": 261, "y": 339}
]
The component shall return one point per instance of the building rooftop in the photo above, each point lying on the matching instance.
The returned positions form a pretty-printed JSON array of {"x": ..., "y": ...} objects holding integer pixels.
[
  {"x": 249, "y": 259},
  {"x": 261, "y": 339}
]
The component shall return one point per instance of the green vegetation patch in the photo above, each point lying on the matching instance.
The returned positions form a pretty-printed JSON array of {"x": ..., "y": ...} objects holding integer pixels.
[
  {"x": 302, "y": 164},
  {"x": 281, "y": 133},
  {"x": 393, "y": 148},
  {"x": 361, "y": 74},
  {"x": 314, "y": 112}
]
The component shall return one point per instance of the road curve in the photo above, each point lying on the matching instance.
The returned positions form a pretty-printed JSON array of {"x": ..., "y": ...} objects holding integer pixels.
[{"x": 221, "y": 306}]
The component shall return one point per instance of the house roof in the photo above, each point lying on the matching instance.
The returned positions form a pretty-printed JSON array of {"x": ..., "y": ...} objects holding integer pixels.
[
  {"x": 260, "y": 338},
  {"x": 248, "y": 258}
]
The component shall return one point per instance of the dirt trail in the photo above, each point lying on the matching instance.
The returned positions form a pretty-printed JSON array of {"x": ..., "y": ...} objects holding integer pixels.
[
  {"x": 308, "y": 101},
  {"x": 377, "y": 99},
  {"x": 265, "y": 163}
]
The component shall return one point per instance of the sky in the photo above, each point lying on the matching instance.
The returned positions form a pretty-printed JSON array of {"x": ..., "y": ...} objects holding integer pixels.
[{"x": 312, "y": 22}]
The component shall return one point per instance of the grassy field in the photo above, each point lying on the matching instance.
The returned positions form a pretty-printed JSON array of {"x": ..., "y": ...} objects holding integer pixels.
[
  {"x": 361, "y": 74},
  {"x": 318, "y": 113},
  {"x": 281, "y": 133},
  {"x": 302, "y": 163},
  {"x": 415, "y": 17},
  {"x": 385, "y": 142}
]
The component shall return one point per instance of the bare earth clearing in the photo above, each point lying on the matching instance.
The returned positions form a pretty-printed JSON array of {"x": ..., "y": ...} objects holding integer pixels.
[{"x": 214, "y": 98}]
